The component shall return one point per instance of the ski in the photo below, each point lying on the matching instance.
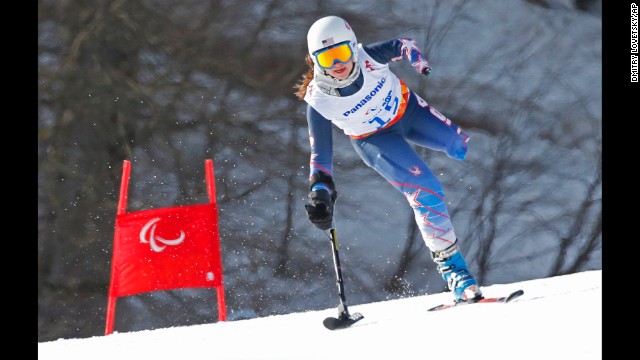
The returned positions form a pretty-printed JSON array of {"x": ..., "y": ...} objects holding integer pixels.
[
  {"x": 341, "y": 322},
  {"x": 499, "y": 299}
]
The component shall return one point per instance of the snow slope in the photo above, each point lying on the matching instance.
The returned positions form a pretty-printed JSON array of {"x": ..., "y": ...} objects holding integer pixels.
[{"x": 556, "y": 318}]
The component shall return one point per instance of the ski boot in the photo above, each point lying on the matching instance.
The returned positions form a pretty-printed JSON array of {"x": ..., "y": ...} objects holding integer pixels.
[{"x": 455, "y": 272}]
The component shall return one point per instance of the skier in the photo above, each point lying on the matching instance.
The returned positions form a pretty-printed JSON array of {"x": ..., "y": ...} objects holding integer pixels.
[{"x": 350, "y": 85}]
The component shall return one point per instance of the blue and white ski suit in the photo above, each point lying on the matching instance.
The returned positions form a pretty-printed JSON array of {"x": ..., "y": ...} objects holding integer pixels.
[{"x": 383, "y": 118}]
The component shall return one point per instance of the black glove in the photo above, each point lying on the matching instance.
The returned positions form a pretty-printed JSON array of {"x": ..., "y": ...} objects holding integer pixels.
[
  {"x": 320, "y": 211},
  {"x": 426, "y": 71}
]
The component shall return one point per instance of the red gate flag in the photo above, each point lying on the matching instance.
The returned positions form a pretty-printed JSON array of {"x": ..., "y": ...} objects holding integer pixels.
[{"x": 166, "y": 248}]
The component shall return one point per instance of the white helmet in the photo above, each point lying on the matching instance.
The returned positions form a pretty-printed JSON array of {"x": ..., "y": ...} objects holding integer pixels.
[{"x": 328, "y": 31}]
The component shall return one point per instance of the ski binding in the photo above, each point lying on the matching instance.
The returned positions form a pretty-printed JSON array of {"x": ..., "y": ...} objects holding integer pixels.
[{"x": 498, "y": 299}]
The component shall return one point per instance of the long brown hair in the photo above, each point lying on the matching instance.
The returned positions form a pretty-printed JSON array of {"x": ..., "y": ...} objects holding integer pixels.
[{"x": 301, "y": 86}]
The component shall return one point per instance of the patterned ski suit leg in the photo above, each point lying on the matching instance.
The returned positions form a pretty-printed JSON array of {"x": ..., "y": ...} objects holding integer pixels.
[{"x": 392, "y": 156}]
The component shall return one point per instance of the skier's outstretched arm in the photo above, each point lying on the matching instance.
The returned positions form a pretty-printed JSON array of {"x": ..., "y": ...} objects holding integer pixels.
[{"x": 322, "y": 192}]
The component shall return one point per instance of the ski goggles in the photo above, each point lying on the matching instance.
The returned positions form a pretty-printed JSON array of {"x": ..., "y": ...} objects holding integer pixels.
[{"x": 327, "y": 57}]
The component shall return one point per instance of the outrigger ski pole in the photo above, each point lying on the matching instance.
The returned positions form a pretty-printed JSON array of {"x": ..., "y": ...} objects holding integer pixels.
[{"x": 344, "y": 319}]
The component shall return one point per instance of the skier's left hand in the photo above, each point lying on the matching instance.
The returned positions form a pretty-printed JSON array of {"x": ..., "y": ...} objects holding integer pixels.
[{"x": 426, "y": 71}]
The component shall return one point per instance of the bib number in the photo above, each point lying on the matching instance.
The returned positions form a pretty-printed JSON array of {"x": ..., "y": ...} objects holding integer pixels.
[{"x": 389, "y": 106}]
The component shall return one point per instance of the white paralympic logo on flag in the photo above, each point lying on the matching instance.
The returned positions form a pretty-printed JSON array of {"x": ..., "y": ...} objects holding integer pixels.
[{"x": 153, "y": 239}]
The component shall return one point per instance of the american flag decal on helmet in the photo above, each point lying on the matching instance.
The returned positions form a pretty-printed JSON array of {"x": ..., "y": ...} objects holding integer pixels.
[{"x": 327, "y": 42}]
